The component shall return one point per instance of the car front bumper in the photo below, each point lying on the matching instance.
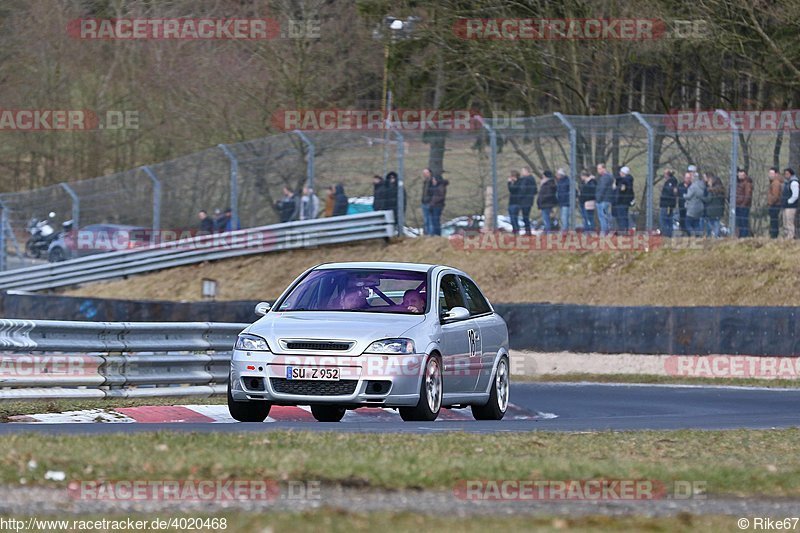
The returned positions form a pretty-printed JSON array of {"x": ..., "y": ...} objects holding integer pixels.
[{"x": 365, "y": 380}]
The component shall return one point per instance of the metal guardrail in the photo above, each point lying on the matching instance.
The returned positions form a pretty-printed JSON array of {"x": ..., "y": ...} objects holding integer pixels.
[
  {"x": 46, "y": 359},
  {"x": 286, "y": 236}
]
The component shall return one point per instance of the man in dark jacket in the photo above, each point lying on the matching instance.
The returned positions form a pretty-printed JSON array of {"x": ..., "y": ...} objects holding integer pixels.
[
  {"x": 668, "y": 202},
  {"x": 206, "y": 224},
  {"x": 624, "y": 188},
  {"x": 587, "y": 200},
  {"x": 562, "y": 194},
  {"x": 604, "y": 197},
  {"x": 286, "y": 205},
  {"x": 339, "y": 201},
  {"x": 515, "y": 199},
  {"x": 390, "y": 194},
  {"x": 378, "y": 193},
  {"x": 790, "y": 197},
  {"x": 744, "y": 200},
  {"x": 683, "y": 188},
  {"x": 547, "y": 199},
  {"x": 528, "y": 193},
  {"x": 437, "y": 191}
]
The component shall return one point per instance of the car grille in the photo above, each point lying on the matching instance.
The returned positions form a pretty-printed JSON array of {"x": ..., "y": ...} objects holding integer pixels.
[
  {"x": 319, "y": 346},
  {"x": 314, "y": 388}
]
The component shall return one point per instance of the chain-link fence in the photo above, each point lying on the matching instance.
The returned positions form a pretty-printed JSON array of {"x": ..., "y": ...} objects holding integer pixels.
[{"x": 249, "y": 178}]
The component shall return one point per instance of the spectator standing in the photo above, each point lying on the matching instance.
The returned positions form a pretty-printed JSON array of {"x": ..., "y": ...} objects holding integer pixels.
[
  {"x": 715, "y": 204},
  {"x": 562, "y": 195},
  {"x": 390, "y": 194},
  {"x": 624, "y": 200},
  {"x": 695, "y": 206},
  {"x": 744, "y": 200},
  {"x": 790, "y": 195},
  {"x": 339, "y": 201},
  {"x": 426, "y": 201},
  {"x": 206, "y": 224},
  {"x": 219, "y": 221},
  {"x": 668, "y": 202},
  {"x": 683, "y": 188},
  {"x": 286, "y": 205},
  {"x": 515, "y": 200},
  {"x": 774, "y": 201},
  {"x": 604, "y": 197},
  {"x": 587, "y": 200},
  {"x": 438, "y": 193},
  {"x": 378, "y": 193},
  {"x": 308, "y": 206},
  {"x": 529, "y": 190},
  {"x": 330, "y": 199},
  {"x": 230, "y": 224},
  {"x": 547, "y": 199}
]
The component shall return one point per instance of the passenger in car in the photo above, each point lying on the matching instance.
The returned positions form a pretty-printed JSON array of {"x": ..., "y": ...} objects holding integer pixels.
[{"x": 413, "y": 301}]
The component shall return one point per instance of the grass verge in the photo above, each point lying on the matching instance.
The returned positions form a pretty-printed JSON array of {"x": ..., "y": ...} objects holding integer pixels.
[
  {"x": 339, "y": 521},
  {"x": 734, "y": 463},
  {"x": 656, "y": 379}
]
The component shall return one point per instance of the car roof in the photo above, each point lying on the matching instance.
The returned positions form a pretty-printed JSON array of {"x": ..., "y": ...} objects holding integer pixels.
[{"x": 381, "y": 265}]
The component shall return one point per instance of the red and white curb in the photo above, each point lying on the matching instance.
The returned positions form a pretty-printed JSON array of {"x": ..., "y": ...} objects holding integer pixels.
[{"x": 218, "y": 414}]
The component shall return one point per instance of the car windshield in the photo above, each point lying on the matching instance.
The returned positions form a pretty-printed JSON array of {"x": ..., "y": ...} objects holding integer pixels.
[{"x": 363, "y": 290}]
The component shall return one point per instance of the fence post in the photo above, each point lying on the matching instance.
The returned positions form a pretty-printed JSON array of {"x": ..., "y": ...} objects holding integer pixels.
[
  {"x": 573, "y": 164},
  {"x": 309, "y": 158},
  {"x": 733, "y": 173},
  {"x": 401, "y": 197},
  {"x": 156, "y": 202},
  {"x": 76, "y": 205},
  {"x": 234, "y": 185},
  {"x": 493, "y": 163},
  {"x": 651, "y": 170},
  {"x": 3, "y": 226}
]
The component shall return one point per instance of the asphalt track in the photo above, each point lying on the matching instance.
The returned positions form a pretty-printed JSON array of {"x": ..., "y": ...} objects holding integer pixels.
[{"x": 579, "y": 407}]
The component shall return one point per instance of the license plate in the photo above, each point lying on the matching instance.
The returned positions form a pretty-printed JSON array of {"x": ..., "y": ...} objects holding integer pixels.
[{"x": 312, "y": 373}]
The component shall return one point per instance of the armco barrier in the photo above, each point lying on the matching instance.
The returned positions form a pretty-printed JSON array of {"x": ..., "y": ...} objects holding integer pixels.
[
  {"x": 290, "y": 235},
  {"x": 539, "y": 327},
  {"x": 60, "y": 359}
]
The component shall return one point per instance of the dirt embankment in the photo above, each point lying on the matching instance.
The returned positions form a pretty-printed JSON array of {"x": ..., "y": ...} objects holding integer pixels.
[{"x": 749, "y": 272}]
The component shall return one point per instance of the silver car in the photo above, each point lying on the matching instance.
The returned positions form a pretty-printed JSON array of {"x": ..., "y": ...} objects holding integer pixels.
[{"x": 350, "y": 335}]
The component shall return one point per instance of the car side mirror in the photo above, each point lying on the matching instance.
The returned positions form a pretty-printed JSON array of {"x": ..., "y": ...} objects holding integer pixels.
[
  {"x": 456, "y": 313},
  {"x": 262, "y": 308}
]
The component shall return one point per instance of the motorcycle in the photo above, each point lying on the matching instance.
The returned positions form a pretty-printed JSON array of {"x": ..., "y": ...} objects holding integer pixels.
[{"x": 42, "y": 234}]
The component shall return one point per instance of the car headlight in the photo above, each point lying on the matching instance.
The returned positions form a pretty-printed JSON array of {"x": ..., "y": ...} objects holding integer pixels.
[
  {"x": 251, "y": 343},
  {"x": 402, "y": 346}
]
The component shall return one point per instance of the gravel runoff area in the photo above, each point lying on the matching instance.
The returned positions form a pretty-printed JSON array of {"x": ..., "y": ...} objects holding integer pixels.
[{"x": 27, "y": 501}]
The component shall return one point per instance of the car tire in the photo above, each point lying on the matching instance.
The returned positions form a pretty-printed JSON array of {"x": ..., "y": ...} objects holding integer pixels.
[
  {"x": 56, "y": 255},
  {"x": 496, "y": 408},
  {"x": 249, "y": 410},
  {"x": 430, "y": 394},
  {"x": 328, "y": 413}
]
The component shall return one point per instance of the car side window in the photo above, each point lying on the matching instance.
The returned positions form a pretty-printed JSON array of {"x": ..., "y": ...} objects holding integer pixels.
[
  {"x": 449, "y": 294},
  {"x": 476, "y": 303}
]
